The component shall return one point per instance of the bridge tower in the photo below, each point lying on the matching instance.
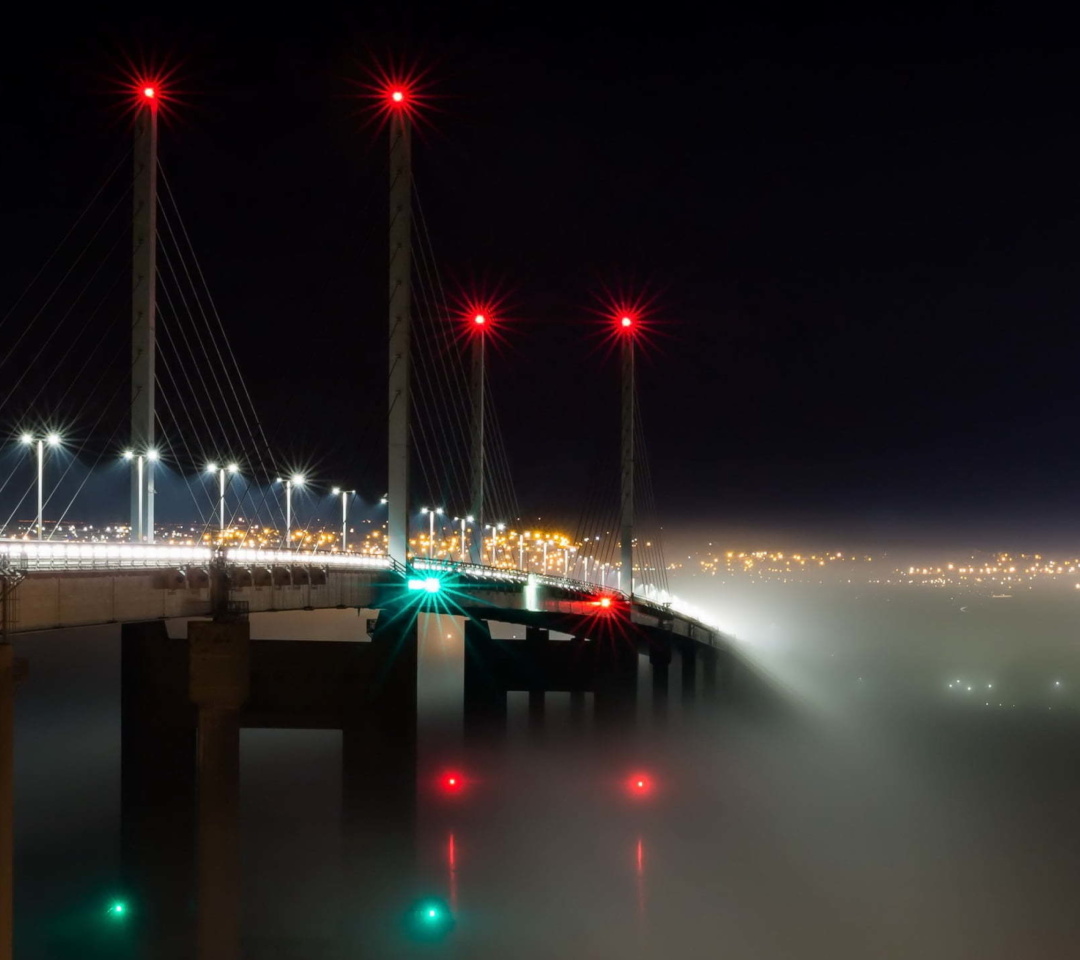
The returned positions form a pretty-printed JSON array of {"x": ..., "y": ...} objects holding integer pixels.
[
  {"x": 398, "y": 106},
  {"x": 479, "y": 323},
  {"x": 144, "y": 311},
  {"x": 627, "y": 328}
]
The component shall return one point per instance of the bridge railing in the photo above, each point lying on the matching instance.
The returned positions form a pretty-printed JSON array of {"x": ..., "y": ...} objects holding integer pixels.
[{"x": 67, "y": 555}]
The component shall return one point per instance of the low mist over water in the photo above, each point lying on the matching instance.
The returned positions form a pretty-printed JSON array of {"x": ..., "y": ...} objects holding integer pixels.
[{"x": 850, "y": 796}]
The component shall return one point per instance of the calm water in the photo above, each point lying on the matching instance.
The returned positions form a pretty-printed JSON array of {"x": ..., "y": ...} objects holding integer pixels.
[{"x": 854, "y": 805}]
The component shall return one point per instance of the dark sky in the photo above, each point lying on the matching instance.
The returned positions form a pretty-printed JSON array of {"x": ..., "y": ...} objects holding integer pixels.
[{"x": 858, "y": 229}]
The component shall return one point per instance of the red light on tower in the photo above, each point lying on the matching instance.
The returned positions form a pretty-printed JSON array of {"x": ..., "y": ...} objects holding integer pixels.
[
  {"x": 480, "y": 319},
  {"x": 149, "y": 93},
  {"x": 626, "y": 322},
  {"x": 640, "y": 785}
]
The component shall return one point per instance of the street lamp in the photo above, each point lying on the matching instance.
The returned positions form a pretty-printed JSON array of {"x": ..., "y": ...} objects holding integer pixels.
[
  {"x": 53, "y": 440},
  {"x": 494, "y": 528},
  {"x": 344, "y": 513},
  {"x": 140, "y": 459},
  {"x": 431, "y": 527},
  {"x": 296, "y": 480},
  {"x": 222, "y": 472},
  {"x": 464, "y": 520}
]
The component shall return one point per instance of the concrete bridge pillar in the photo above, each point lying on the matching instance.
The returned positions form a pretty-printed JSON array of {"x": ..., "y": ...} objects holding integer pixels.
[
  {"x": 709, "y": 658},
  {"x": 220, "y": 654},
  {"x": 688, "y": 661},
  {"x": 615, "y": 682},
  {"x": 379, "y": 790},
  {"x": 7, "y": 799},
  {"x": 536, "y": 640},
  {"x": 660, "y": 659},
  {"x": 485, "y": 691},
  {"x": 157, "y": 790}
]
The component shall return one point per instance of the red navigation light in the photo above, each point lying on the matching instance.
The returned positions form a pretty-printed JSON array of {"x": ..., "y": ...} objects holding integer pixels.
[
  {"x": 397, "y": 96},
  {"x": 626, "y": 322},
  {"x": 149, "y": 93},
  {"x": 452, "y": 782},
  {"x": 640, "y": 784},
  {"x": 480, "y": 315}
]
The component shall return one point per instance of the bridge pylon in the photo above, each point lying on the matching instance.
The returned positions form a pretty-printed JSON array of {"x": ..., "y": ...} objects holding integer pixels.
[
  {"x": 398, "y": 98},
  {"x": 144, "y": 313}
]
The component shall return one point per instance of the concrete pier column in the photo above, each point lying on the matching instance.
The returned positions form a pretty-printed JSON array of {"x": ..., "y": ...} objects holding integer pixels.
[
  {"x": 660, "y": 659},
  {"x": 379, "y": 793},
  {"x": 220, "y": 654},
  {"x": 615, "y": 682},
  {"x": 7, "y": 799},
  {"x": 485, "y": 691},
  {"x": 157, "y": 790},
  {"x": 536, "y": 712},
  {"x": 688, "y": 660},
  {"x": 709, "y": 658}
]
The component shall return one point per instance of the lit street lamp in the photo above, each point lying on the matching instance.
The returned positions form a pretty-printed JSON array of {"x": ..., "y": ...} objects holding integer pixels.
[
  {"x": 463, "y": 520},
  {"x": 140, "y": 459},
  {"x": 296, "y": 480},
  {"x": 344, "y": 513},
  {"x": 221, "y": 472},
  {"x": 53, "y": 440},
  {"x": 431, "y": 528},
  {"x": 494, "y": 528}
]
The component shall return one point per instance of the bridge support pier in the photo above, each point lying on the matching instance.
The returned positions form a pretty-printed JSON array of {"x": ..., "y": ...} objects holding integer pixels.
[
  {"x": 157, "y": 789},
  {"x": 688, "y": 662},
  {"x": 7, "y": 800},
  {"x": 379, "y": 781},
  {"x": 615, "y": 683},
  {"x": 709, "y": 658},
  {"x": 485, "y": 695},
  {"x": 220, "y": 652},
  {"x": 660, "y": 659}
]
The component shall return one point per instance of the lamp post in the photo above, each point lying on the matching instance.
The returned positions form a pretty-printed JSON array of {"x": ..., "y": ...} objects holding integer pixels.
[
  {"x": 138, "y": 533},
  {"x": 53, "y": 440},
  {"x": 344, "y": 513},
  {"x": 431, "y": 528},
  {"x": 494, "y": 528},
  {"x": 461, "y": 543},
  {"x": 222, "y": 473},
  {"x": 296, "y": 480}
]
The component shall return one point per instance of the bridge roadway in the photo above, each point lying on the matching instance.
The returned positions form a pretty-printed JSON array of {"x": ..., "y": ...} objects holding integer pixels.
[{"x": 70, "y": 584}]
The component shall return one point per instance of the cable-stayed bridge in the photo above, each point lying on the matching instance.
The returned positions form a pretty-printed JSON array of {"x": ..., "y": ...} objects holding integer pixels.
[{"x": 168, "y": 390}]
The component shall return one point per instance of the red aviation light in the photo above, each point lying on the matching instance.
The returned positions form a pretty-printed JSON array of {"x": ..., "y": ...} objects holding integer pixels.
[
  {"x": 149, "y": 93},
  {"x": 480, "y": 319},
  {"x": 640, "y": 785},
  {"x": 626, "y": 322},
  {"x": 452, "y": 782}
]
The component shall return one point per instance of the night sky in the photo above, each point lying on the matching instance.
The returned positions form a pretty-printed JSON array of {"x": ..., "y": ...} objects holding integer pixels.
[{"x": 857, "y": 230}]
